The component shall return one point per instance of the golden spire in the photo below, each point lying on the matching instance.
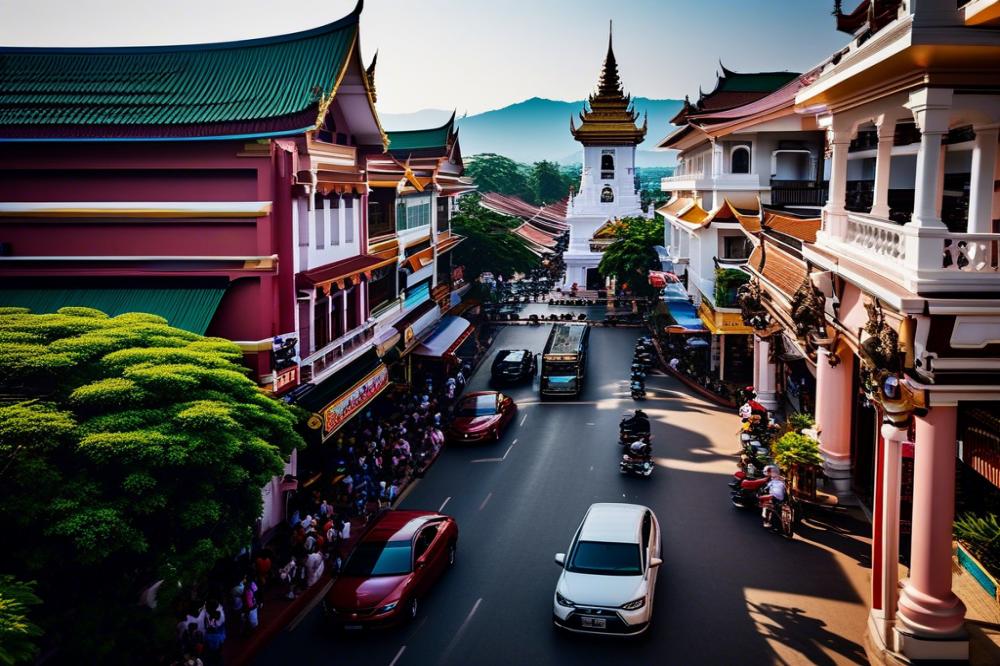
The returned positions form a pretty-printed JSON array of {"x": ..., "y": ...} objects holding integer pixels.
[
  {"x": 610, "y": 118},
  {"x": 370, "y": 75}
]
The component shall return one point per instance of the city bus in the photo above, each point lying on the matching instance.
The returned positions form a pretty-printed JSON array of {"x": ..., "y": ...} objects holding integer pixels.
[{"x": 564, "y": 361}]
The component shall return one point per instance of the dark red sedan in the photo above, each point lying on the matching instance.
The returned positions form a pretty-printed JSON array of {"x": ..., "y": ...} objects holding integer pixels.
[
  {"x": 391, "y": 568},
  {"x": 481, "y": 416}
]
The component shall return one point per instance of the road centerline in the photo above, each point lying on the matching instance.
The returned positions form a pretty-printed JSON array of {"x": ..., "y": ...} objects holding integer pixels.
[
  {"x": 398, "y": 655},
  {"x": 444, "y": 503},
  {"x": 483, "y": 505}
]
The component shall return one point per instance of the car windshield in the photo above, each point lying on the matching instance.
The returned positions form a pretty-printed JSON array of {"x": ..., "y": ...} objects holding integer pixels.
[
  {"x": 477, "y": 405},
  {"x": 514, "y": 358},
  {"x": 379, "y": 559},
  {"x": 606, "y": 559}
]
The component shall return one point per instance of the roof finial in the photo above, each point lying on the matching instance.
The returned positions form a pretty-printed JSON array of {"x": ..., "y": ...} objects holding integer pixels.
[
  {"x": 611, "y": 31},
  {"x": 370, "y": 74}
]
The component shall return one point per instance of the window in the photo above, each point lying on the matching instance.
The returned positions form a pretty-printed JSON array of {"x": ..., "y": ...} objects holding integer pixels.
[
  {"x": 607, "y": 195},
  {"x": 605, "y": 558},
  {"x": 334, "y": 204},
  {"x": 424, "y": 540},
  {"x": 608, "y": 164},
  {"x": 379, "y": 559},
  {"x": 321, "y": 322},
  {"x": 739, "y": 160},
  {"x": 319, "y": 220},
  {"x": 382, "y": 286},
  {"x": 417, "y": 294},
  {"x": 348, "y": 204},
  {"x": 736, "y": 247},
  {"x": 381, "y": 212},
  {"x": 413, "y": 212},
  {"x": 444, "y": 214}
]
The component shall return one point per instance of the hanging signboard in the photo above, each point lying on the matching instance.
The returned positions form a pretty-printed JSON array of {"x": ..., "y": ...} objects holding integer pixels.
[{"x": 338, "y": 412}]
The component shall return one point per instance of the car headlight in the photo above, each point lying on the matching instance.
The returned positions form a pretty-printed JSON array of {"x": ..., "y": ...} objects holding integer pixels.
[
  {"x": 634, "y": 605},
  {"x": 387, "y": 607},
  {"x": 563, "y": 601}
]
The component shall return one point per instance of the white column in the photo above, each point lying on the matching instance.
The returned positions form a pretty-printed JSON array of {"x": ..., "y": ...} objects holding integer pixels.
[
  {"x": 756, "y": 364},
  {"x": 885, "y": 545},
  {"x": 722, "y": 356},
  {"x": 834, "y": 213},
  {"x": 343, "y": 309},
  {"x": 766, "y": 377},
  {"x": 984, "y": 159},
  {"x": 931, "y": 109},
  {"x": 883, "y": 161}
]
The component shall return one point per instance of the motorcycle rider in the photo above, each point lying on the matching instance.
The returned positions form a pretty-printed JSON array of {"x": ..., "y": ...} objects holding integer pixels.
[
  {"x": 640, "y": 449},
  {"x": 638, "y": 422},
  {"x": 774, "y": 491}
]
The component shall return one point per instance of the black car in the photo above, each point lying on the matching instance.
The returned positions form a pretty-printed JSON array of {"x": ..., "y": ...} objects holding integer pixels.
[{"x": 513, "y": 365}]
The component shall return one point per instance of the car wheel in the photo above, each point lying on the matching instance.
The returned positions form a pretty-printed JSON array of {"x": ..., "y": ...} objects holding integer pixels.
[
  {"x": 452, "y": 549},
  {"x": 412, "y": 608}
]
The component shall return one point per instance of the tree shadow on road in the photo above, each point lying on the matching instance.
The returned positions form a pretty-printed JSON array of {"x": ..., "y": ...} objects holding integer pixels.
[{"x": 792, "y": 628}]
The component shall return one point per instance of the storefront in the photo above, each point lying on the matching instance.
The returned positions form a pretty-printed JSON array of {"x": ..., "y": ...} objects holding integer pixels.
[
  {"x": 438, "y": 353},
  {"x": 412, "y": 328}
]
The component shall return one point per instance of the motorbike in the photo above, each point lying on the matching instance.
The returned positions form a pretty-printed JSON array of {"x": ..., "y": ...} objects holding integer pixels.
[
  {"x": 631, "y": 428},
  {"x": 638, "y": 390},
  {"x": 744, "y": 495},
  {"x": 637, "y": 464},
  {"x": 779, "y": 516}
]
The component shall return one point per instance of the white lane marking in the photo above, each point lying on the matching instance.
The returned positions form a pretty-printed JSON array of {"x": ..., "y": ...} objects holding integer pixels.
[
  {"x": 524, "y": 418},
  {"x": 590, "y": 424},
  {"x": 444, "y": 503},
  {"x": 483, "y": 505},
  {"x": 508, "y": 450},
  {"x": 461, "y": 629},
  {"x": 484, "y": 460},
  {"x": 591, "y": 468},
  {"x": 398, "y": 655}
]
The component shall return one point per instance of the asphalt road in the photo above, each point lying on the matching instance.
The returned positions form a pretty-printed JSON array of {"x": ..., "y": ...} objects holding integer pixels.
[{"x": 728, "y": 592}]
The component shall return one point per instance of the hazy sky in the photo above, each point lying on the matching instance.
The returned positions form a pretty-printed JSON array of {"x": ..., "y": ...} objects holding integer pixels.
[{"x": 475, "y": 55}]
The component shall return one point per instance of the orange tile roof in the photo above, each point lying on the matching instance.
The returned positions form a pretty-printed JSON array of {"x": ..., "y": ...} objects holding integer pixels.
[
  {"x": 675, "y": 206},
  {"x": 803, "y": 229},
  {"x": 781, "y": 269},
  {"x": 695, "y": 215}
]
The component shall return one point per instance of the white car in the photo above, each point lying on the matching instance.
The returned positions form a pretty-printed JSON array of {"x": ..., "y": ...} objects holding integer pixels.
[{"x": 609, "y": 572}]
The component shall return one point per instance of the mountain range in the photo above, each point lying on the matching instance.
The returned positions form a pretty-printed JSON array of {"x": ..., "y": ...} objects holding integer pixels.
[{"x": 538, "y": 129}]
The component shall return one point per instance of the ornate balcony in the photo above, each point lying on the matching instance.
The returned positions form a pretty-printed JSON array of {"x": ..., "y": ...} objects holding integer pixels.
[
  {"x": 920, "y": 259},
  {"x": 336, "y": 353}
]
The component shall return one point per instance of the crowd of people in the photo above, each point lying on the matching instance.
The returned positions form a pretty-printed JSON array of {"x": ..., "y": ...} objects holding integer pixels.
[{"x": 362, "y": 469}]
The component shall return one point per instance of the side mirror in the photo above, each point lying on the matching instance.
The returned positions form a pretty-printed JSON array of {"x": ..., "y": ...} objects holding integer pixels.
[
  {"x": 655, "y": 562},
  {"x": 560, "y": 558}
]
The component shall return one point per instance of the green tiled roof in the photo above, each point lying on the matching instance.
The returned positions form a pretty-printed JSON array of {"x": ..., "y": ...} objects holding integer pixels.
[
  {"x": 422, "y": 139},
  {"x": 230, "y": 82},
  {"x": 189, "y": 309},
  {"x": 753, "y": 82}
]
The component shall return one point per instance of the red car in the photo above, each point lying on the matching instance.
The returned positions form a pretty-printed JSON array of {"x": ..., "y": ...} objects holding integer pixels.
[
  {"x": 391, "y": 568},
  {"x": 481, "y": 416}
]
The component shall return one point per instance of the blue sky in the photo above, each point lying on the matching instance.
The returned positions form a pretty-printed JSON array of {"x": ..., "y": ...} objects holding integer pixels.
[{"x": 476, "y": 55}]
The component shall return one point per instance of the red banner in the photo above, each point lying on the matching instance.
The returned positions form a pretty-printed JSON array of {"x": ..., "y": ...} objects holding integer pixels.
[{"x": 338, "y": 412}]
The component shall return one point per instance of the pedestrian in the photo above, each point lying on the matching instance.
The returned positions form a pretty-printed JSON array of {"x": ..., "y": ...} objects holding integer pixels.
[
  {"x": 263, "y": 565},
  {"x": 313, "y": 567},
  {"x": 251, "y": 607},
  {"x": 215, "y": 630}
]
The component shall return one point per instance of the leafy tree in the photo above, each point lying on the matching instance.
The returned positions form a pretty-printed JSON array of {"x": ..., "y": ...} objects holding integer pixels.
[
  {"x": 630, "y": 257},
  {"x": 499, "y": 174},
  {"x": 18, "y": 632},
  {"x": 135, "y": 454},
  {"x": 489, "y": 244},
  {"x": 548, "y": 184}
]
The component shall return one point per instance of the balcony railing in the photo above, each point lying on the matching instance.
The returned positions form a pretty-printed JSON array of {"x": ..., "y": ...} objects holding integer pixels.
[
  {"x": 798, "y": 193},
  {"x": 332, "y": 353},
  {"x": 921, "y": 259}
]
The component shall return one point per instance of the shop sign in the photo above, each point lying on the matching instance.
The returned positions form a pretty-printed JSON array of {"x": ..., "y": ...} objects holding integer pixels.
[{"x": 343, "y": 408}]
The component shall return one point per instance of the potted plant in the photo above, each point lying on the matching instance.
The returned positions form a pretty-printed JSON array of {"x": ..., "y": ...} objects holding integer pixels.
[{"x": 799, "y": 456}]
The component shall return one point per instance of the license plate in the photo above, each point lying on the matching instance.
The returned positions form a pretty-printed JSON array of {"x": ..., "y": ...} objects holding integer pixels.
[
  {"x": 352, "y": 627},
  {"x": 594, "y": 622}
]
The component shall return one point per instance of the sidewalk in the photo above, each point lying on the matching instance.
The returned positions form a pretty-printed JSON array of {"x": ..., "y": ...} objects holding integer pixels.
[{"x": 982, "y": 618}]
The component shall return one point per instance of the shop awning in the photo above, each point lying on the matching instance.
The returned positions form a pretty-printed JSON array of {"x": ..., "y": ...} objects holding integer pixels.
[
  {"x": 450, "y": 333},
  {"x": 385, "y": 341},
  {"x": 348, "y": 391},
  {"x": 417, "y": 323},
  {"x": 189, "y": 309},
  {"x": 340, "y": 271},
  {"x": 686, "y": 318}
]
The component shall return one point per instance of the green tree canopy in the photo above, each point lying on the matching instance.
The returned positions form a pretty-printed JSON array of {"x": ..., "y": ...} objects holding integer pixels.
[
  {"x": 630, "y": 257},
  {"x": 18, "y": 633},
  {"x": 489, "y": 245},
  {"x": 549, "y": 183},
  {"x": 499, "y": 174},
  {"x": 134, "y": 452}
]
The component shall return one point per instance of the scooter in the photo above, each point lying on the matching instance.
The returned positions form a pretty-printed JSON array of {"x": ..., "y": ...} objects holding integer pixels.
[
  {"x": 641, "y": 466},
  {"x": 744, "y": 495},
  {"x": 779, "y": 516},
  {"x": 638, "y": 390}
]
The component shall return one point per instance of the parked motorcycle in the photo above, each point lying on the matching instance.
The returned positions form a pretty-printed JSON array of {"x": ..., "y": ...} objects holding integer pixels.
[{"x": 779, "y": 516}]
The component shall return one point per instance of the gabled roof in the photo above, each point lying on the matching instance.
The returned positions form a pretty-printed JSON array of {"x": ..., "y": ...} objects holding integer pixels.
[
  {"x": 257, "y": 87},
  {"x": 803, "y": 229},
  {"x": 689, "y": 211},
  {"x": 550, "y": 218},
  {"x": 433, "y": 139},
  {"x": 733, "y": 89}
]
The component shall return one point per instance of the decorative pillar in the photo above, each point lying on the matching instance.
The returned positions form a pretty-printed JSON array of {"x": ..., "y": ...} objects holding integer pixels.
[
  {"x": 885, "y": 537},
  {"x": 766, "y": 371},
  {"x": 931, "y": 109},
  {"x": 834, "y": 213},
  {"x": 984, "y": 159},
  {"x": 930, "y": 619},
  {"x": 883, "y": 162},
  {"x": 834, "y": 403},
  {"x": 756, "y": 363}
]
